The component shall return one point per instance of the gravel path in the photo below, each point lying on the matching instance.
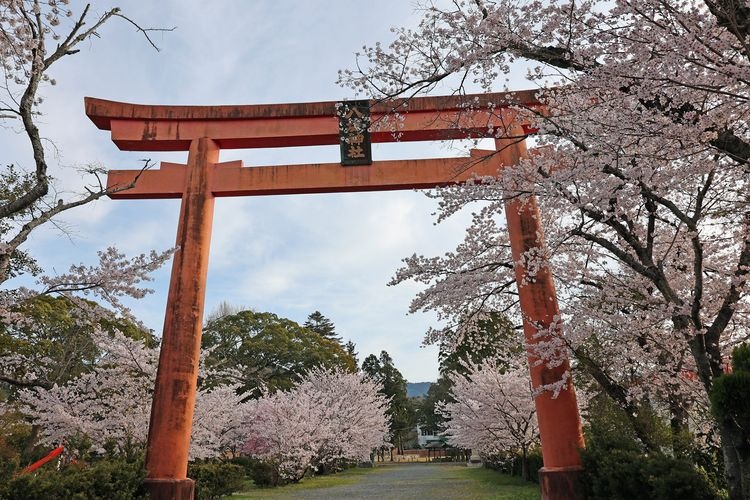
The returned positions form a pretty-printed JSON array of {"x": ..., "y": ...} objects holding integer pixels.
[{"x": 403, "y": 482}]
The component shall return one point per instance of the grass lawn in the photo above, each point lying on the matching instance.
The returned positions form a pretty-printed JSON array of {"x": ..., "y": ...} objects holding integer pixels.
[
  {"x": 488, "y": 483},
  {"x": 406, "y": 481},
  {"x": 349, "y": 476}
]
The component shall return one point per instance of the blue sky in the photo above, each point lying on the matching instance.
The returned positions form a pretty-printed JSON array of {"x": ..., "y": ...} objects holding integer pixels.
[{"x": 289, "y": 255}]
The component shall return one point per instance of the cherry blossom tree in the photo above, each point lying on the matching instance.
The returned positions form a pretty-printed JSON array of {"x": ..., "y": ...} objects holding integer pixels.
[
  {"x": 353, "y": 409},
  {"x": 642, "y": 180},
  {"x": 111, "y": 404},
  {"x": 24, "y": 353},
  {"x": 329, "y": 417},
  {"x": 34, "y": 36},
  {"x": 492, "y": 411}
]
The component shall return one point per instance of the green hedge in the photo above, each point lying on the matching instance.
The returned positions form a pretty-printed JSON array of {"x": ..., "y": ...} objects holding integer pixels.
[
  {"x": 112, "y": 479},
  {"x": 214, "y": 479},
  {"x": 624, "y": 475},
  {"x": 106, "y": 479}
]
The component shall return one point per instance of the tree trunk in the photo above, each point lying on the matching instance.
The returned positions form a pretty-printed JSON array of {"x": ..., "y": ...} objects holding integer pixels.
[
  {"x": 28, "y": 448},
  {"x": 524, "y": 464},
  {"x": 5, "y": 266},
  {"x": 678, "y": 423},
  {"x": 736, "y": 460}
]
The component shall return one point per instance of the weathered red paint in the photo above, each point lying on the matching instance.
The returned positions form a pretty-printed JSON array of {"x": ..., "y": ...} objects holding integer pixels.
[
  {"x": 138, "y": 127},
  {"x": 558, "y": 417},
  {"x": 204, "y": 130},
  {"x": 177, "y": 376},
  {"x": 233, "y": 179}
]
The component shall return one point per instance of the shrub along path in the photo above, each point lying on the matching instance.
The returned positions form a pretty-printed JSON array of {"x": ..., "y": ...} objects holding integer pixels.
[{"x": 406, "y": 481}]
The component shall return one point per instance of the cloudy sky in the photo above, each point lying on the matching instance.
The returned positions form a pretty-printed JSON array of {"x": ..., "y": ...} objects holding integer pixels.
[{"x": 289, "y": 255}]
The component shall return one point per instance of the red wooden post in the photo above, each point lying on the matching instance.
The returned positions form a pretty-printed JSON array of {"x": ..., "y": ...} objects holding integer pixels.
[
  {"x": 559, "y": 419},
  {"x": 177, "y": 376},
  {"x": 206, "y": 129}
]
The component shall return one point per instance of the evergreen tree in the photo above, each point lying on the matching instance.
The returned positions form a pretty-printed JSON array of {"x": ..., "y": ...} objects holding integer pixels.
[
  {"x": 351, "y": 349},
  {"x": 266, "y": 351},
  {"x": 393, "y": 384},
  {"x": 322, "y": 326}
]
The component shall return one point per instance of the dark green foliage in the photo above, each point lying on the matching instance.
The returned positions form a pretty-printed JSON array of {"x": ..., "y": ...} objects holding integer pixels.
[
  {"x": 612, "y": 474},
  {"x": 616, "y": 465},
  {"x": 268, "y": 350},
  {"x": 741, "y": 358},
  {"x": 322, "y": 326},
  {"x": 730, "y": 394},
  {"x": 730, "y": 398},
  {"x": 609, "y": 425},
  {"x": 265, "y": 474},
  {"x": 730, "y": 403},
  {"x": 427, "y": 416},
  {"x": 214, "y": 479},
  {"x": 400, "y": 411},
  {"x": 8, "y": 465},
  {"x": 351, "y": 348},
  {"x": 104, "y": 479},
  {"x": 16, "y": 443}
]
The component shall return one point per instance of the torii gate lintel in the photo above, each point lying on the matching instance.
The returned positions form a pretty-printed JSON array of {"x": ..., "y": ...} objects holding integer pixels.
[
  {"x": 233, "y": 178},
  {"x": 205, "y": 130}
]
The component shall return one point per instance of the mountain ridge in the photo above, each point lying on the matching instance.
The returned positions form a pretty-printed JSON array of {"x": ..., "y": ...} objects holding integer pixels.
[{"x": 417, "y": 389}]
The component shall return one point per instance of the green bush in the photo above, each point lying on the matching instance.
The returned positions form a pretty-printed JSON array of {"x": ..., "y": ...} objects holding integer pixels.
[
  {"x": 9, "y": 461},
  {"x": 730, "y": 394},
  {"x": 104, "y": 479},
  {"x": 617, "y": 465},
  {"x": 265, "y": 474},
  {"x": 216, "y": 479},
  {"x": 741, "y": 358},
  {"x": 624, "y": 474}
]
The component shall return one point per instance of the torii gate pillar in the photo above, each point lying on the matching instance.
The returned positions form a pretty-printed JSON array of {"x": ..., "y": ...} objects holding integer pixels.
[
  {"x": 177, "y": 375},
  {"x": 204, "y": 130},
  {"x": 558, "y": 417}
]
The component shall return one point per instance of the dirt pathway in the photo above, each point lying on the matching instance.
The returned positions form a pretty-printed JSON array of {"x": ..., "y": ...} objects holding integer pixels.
[{"x": 407, "y": 482}]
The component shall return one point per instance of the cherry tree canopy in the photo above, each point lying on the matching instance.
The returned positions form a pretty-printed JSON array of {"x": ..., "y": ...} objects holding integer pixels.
[
  {"x": 329, "y": 416},
  {"x": 643, "y": 180},
  {"x": 111, "y": 404},
  {"x": 493, "y": 412}
]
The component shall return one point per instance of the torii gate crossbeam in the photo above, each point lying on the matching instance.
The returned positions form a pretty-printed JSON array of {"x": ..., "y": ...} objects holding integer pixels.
[{"x": 204, "y": 130}]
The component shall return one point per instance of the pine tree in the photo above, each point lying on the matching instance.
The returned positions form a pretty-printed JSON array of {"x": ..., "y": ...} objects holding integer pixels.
[
  {"x": 351, "y": 349},
  {"x": 322, "y": 326}
]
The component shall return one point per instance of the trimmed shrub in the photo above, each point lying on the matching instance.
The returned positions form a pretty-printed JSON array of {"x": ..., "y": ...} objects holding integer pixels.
[
  {"x": 618, "y": 467},
  {"x": 265, "y": 474},
  {"x": 104, "y": 479},
  {"x": 216, "y": 479},
  {"x": 741, "y": 358},
  {"x": 624, "y": 474}
]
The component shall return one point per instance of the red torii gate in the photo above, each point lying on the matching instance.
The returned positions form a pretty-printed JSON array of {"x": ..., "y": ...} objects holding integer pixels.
[{"x": 205, "y": 130}]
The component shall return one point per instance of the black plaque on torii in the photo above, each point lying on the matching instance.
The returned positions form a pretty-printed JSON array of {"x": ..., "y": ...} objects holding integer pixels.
[{"x": 354, "y": 132}]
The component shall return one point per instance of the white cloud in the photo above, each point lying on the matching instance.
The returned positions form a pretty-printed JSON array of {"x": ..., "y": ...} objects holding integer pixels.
[{"x": 287, "y": 254}]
